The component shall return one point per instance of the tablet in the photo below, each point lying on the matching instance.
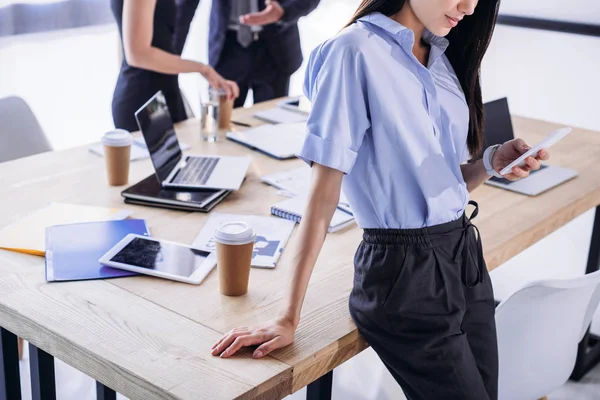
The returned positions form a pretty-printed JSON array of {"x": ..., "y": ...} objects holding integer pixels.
[
  {"x": 160, "y": 258},
  {"x": 553, "y": 138}
]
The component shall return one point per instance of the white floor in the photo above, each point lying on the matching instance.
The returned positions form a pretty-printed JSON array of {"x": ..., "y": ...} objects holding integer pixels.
[{"x": 68, "y": 79}]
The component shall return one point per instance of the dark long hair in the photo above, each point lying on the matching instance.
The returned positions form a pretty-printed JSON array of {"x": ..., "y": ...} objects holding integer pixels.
[{"x": 468, "y": 44}]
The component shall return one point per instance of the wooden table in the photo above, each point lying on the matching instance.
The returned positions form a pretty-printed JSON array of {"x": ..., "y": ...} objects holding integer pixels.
[{"x": 149, "y": 338}]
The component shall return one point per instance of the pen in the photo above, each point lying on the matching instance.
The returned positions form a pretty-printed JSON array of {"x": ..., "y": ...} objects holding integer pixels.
[{"x": 241, "y": 124}]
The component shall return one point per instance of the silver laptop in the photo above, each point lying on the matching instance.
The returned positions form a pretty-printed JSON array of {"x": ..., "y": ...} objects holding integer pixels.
[
  {"x": 173, "y": 169},
  {"x": 498, "y": 129}
]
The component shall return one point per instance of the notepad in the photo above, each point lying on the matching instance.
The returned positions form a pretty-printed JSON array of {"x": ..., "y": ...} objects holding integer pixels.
[
  {"x": 28, "y": 234},
  {"x": 72, "y": 251},
  {"x": 293, "y": 209},
  {"x": 296, "y": 182}
]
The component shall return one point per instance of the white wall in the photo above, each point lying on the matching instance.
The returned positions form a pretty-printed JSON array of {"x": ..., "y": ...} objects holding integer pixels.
[{"x": 585, "y": 11}]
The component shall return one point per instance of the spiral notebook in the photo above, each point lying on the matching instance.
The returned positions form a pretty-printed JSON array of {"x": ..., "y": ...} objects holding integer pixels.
[{"x": 293, "y": 209}]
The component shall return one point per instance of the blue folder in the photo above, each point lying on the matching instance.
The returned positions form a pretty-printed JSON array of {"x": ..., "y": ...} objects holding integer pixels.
[{"x": 72, "y": 251}]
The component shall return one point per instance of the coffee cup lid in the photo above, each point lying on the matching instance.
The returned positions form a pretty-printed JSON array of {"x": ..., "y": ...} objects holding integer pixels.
[
  {"x": 117, "y": 138},
  {"x": 234, "y": 232}
]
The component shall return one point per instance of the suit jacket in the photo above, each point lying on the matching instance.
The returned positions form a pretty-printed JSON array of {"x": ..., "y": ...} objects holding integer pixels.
[{"x": 282, "y": 39}]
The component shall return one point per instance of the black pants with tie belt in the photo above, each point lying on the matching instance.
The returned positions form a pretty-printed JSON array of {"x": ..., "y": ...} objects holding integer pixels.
[{"x": 423, "y": 300}]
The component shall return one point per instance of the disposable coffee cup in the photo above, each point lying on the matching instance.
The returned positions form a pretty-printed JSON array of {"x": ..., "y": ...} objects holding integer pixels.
[
  {"x": 225, "y": 107},
  {"x": 235, "y": 243},
  {"x": 117, "y": 148}
]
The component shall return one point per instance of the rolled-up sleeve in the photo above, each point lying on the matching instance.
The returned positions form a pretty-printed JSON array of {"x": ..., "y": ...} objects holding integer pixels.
[{"x": 335, "y": 83}]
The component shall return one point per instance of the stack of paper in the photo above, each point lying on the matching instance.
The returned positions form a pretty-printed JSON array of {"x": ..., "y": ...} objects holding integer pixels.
[{"x": 139, "y": 150}]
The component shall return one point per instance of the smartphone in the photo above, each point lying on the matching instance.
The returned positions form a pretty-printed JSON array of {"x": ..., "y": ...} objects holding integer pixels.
[
  {"x": 160, "y": 258},
  {"x": 553, "y": 138}
]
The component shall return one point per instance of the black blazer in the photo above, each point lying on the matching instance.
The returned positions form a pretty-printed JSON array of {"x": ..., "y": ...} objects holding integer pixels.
[{"x": 282, "y": 38}]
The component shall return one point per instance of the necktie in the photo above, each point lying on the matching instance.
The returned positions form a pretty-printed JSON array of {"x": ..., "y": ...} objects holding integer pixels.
[{"x": 245, "y": 36}]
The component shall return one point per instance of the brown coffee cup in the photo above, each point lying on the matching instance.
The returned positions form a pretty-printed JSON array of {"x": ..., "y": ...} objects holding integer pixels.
[
  {"x": 235, "y": 244},
  {"x": 117, "y": 149},
  {"x": 225, "y": 107}
]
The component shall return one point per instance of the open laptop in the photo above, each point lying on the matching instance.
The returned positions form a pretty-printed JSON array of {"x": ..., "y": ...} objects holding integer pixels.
[
  {"x": 498, "y": 129},
  {"x": 173, "y": 169}
]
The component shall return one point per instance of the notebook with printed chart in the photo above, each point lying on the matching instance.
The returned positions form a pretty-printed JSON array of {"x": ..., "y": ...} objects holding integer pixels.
[
  {"x": 272, "y": 235},
  {"x": 293, "y": 209},
  {"x": 281, "y": 141},
  {"x": 72, "y": 251},
  {"x": 27, "y": 235}
]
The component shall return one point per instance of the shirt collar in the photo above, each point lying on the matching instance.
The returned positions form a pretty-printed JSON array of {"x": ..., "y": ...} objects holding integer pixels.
[{"x": 403, "y": 35}]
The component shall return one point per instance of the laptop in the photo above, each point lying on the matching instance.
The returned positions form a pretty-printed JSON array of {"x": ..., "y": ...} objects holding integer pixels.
[
  {"x": 281, "y": 141},
  {"x": 497, "y": 130},
  {"x": 173, "y": 169}
]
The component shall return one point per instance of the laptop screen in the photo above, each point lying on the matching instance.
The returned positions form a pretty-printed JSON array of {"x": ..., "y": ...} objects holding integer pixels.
[
  {"x": 498, "y": 125},
  {"x": 156, "y": 125}
]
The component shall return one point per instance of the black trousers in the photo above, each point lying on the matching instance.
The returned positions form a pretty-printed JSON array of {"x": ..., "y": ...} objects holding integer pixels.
[
  {"x": 423, "y": 300},
  {"x": 252, "y": 68}
]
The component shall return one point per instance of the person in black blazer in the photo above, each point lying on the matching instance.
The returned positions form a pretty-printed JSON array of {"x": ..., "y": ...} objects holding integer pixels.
[
  {"x": 256, "y": 43},
  {"x": 153, "y": 33}
]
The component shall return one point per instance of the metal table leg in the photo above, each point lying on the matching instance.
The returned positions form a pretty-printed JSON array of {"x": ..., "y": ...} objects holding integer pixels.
[
  {"x": 321, "y": 388},
  {"x": 105, "y": 393},
  {"x": 43, "y": 384},
  {"x": 588, "y": 354},
  {"x": 10, "y": 379}
]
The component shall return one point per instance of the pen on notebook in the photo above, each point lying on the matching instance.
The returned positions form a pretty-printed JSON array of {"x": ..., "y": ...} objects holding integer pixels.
[{"x": 241, "y": 124}]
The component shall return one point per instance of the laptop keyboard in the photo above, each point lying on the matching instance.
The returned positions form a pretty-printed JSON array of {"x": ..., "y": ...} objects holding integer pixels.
[
  {"x": 197, "y": 171},
  {"x": 507, "y": 182}
]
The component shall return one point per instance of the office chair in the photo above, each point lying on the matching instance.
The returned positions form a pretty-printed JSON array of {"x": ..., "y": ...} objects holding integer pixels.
[
  {"x": 20, "y": 136},
  {"x": 20, "y": 132},
  {"x": 539, "y": 328}
]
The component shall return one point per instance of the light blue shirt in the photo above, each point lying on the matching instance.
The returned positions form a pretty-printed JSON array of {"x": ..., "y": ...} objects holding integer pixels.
[{"x": 397, "y": 129}]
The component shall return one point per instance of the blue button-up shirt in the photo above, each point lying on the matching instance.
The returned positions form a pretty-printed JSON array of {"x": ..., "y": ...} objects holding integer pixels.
[{"x": 396, "y": 128}]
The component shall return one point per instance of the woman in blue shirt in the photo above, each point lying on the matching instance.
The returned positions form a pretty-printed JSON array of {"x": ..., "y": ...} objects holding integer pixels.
[{"x": 397, "y": 120}]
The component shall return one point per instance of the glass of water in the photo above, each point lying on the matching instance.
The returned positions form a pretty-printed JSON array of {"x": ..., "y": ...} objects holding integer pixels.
[{"x": 209, "y": 120}]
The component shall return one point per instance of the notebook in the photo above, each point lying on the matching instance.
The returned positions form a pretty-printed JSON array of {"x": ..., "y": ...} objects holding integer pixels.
[
  {"x": 139, "y": 150},
  {"x": 296, "y": 182},
  {"x": 272, "y": 235},
  {"x": 150, "y": 192},
  {"x": 293, "y": 209},
  {"x": 72, "y": 251},
  {"x": 28, "y": 234},
  {"x": 281, "y": 141},
  {"x": 279, "y": 115}
]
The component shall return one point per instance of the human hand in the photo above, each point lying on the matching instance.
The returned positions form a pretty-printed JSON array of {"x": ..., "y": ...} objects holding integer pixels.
[
  {"x": 510, "y": 151},
  {"x": 270, "y": 336},
  {"x": 272, "y": 13},
  {"x": 218, "y": 82}
]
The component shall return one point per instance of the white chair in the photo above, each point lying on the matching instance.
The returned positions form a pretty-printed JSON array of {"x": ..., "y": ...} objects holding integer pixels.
[
  {"x": 539, "y": 328},
  {"x": 20, "y": 132}
]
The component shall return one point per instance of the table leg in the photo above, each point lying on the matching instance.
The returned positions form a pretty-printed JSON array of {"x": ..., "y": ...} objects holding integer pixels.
[
  {"x": 321, "y": 388},
  {"x": 105, "y": 393},
  {"x": 588, "y": 353},
  {"x": 43, "y": 384},
  {"x": 10, "y": 379}
]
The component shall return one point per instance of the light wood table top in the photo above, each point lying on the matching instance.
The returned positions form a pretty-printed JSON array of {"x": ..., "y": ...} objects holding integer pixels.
[{"x": 149, "y": 338}]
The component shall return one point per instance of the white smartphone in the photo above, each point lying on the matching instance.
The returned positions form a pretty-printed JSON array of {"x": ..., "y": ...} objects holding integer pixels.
[
  {"x": 160, "y": 258},
  {"x": 553, "y": 138}
]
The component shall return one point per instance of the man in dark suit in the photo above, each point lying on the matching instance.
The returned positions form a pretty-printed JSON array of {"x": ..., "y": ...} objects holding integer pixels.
[{"x": 256, "y": 43}]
